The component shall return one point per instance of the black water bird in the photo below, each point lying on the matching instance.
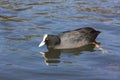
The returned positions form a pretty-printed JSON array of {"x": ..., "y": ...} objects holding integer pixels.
[{"x": 71, "y": 39}]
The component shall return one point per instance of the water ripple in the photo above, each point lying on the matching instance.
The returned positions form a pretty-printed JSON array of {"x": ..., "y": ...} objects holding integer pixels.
[
  {"x": 6, "y": 18},
  {"x": 26, "y": 37},
  {"x": 39, "y": 27},
  {"x": 23, "y": 23},
  {"x": 6, "y": 29},
  {"x": 98, "y": 10},
  {"x": 17, "y": 9},
  {"x": 42, "y": 3}
]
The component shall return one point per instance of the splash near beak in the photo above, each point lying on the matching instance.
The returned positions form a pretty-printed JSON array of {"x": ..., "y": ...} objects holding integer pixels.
[{"x": 43, "y": 41}]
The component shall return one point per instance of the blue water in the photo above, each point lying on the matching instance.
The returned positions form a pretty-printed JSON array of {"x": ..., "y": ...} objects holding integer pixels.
[{"x": 23, "y": 24}]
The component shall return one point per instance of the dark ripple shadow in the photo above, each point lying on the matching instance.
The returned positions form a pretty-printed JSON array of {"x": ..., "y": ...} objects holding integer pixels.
[
  {"x": 7, "y": 29},
  {"x": 26, "y": 37},
  {"x": 6, "y": 18},
  {"x": 17, "y": 9},
  {"x": 41, "y": 13},
  {"x": 14, "y": 20},
  {"x": 98, "y": 10},
  {"x": 52, "y": 56},
  {"x": 39, "y": 27},
  {"x": 42, "y": 3},
  {"x": 14, "y": 5},
  {"x": 91, "y": 18}
]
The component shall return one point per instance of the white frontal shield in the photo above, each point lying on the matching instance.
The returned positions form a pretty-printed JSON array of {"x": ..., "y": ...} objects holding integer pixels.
[{"x": 43, "y": 41}]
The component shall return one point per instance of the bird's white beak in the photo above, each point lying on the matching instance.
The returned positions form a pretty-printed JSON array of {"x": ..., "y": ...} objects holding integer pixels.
[
  {"x": 41, "y": 44},
  {"x": 43, "y": 41}
]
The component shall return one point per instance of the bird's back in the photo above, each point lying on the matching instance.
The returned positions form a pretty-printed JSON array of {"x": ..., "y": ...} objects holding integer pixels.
[{"x": 77, "y": 38}]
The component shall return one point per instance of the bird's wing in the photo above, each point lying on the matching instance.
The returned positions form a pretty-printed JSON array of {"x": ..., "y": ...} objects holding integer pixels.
[{"x": 71, "y": 36}]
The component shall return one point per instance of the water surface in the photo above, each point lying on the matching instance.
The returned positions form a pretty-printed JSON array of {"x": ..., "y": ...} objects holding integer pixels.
[{"x": 23, "y": 23}]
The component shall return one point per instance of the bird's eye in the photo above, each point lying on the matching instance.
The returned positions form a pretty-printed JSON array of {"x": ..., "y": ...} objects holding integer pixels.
[
  {"x": 92, "y": 31},
  {"x": 46, "y": 39}
]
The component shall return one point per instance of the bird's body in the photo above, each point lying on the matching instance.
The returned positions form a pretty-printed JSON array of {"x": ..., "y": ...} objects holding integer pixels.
[{"x": 71, "y": 39}]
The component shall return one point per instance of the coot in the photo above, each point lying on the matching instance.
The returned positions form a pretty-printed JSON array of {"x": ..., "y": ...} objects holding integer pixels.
[{"x": 70, "y": 39}]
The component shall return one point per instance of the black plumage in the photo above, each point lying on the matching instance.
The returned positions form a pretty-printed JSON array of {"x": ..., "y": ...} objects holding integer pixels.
[{"x": 72, "y": 39}]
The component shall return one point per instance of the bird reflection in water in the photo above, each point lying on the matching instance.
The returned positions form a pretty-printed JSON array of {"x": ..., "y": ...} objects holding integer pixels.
[{"x": 52, "y": 56}]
